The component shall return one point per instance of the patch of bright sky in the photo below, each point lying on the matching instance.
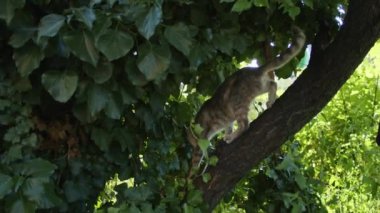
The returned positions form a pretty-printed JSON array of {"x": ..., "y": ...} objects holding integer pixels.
[{"x": 341, "y": 12}]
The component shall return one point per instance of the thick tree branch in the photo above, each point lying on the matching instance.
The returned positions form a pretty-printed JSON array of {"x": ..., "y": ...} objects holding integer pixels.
[{"x": 328, "y": 70}]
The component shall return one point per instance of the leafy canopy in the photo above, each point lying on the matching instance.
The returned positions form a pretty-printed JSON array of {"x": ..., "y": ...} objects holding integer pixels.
[{"x": 94, "y": 88}]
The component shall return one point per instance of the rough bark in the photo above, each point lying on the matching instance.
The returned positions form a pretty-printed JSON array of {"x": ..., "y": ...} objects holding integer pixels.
[{"x": 328, "y": 70}]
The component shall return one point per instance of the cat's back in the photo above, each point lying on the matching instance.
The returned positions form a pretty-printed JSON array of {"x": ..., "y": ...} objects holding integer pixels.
[{"x": 243, "y": 76}]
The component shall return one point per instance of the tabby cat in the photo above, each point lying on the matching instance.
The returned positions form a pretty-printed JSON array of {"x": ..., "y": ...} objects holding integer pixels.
[{"x": 233, "y": 97}]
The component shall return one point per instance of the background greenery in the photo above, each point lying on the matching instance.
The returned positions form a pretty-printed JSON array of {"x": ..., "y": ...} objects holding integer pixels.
[{"x": 95, "y": 97}]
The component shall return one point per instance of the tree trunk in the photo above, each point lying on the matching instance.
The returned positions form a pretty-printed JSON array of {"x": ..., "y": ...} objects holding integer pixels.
[{"x": 328, "y": 70}]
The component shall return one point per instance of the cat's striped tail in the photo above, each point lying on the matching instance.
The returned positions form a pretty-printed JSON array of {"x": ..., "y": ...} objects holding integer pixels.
[{"x": 298, "y": 42}]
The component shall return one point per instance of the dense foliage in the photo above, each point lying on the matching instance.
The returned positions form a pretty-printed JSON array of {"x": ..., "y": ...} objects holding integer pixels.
[
  {"x": 102, "y": 90},
  {"x": 339, "y": 148}
]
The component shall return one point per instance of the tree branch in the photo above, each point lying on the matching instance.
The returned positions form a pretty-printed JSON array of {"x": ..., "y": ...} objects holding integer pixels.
[{"x": 328, "y": 70}]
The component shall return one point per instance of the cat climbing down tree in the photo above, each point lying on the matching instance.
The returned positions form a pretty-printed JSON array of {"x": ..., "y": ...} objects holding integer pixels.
[{"x": 233, "y": 97}]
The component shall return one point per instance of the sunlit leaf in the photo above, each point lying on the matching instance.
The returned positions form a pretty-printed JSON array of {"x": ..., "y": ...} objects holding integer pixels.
[
  {"x": 213, "y": 160},
  {"x": 203, "y": 144},
  {"x": 206, "y": 177}
]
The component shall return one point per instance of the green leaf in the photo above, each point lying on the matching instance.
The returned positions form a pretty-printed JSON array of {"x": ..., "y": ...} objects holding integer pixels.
[
  {"x": 194, "y": 197},
  {"x": 97, "y": 98},
  {"x": 14, "y": 153},
  {"x": 309, "y": 3},
  {"x": 261, "y": 3},
  {"x": 101, "y": 137},
  {"x": 179, "y": 36},
  {"x": 287, "y": 164},
  {"x": 153, "y": 60},
  {"x": 28, "y": 58},
  {"x": 124, "y": 138},
  {"x": 114, "y": 44},
  {"x": 213, "y": 160},
  {"x": 133, "y": 73},
  {"x": 126, "y": 96},
  {"x": 6, "y": 185},
  {"x": 101, "y": 25},
  {"x": 148, "y": 21},
  {"x": 20, "y": 37},
  {"x": 77, "y": 190},
  {"x": 200, "y": 53},
  {"x": 36, "y": 168},
  {"x": 38, "y": 191},
  {"x": 204, "y": 144},
  {"x": 206, "y": 177},
  {"x": 50, "y": 25},
  {"x": 61, "y": 85},
  {"x": 241, "y": 5},
  {"x": 301, "y": 181},
  {"x": 85, "y": 15},
  {"x": 289, "y": 7},
  {"x": 139, "y": 194},
  {"x": 101, "y": 73},
  {"x": 82, "y": 45},
  {"x": 8, "y": 7},
  {"x": 294, "y": 12},
  {"x": 22, "y": 205},
  {"x": 157, "y": 102},
  {"x": 224, "y": 42},
  {"x": 133, "y": 209},
  {"x": 197, "y": 129},
  {"x": 81, "y": 112},
  {"x": 114, "y": 107}
]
